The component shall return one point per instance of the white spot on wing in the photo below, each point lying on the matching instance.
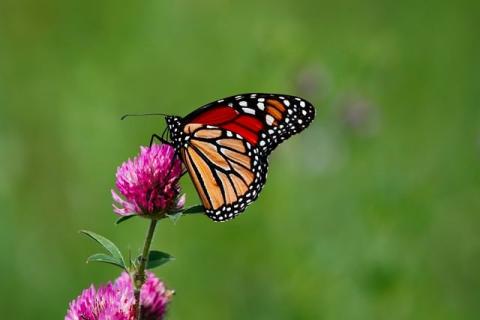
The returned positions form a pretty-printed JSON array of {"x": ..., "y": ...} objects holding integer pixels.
[
  {"x": 248, "y": 110},
  {"x": 269, "y": 119}
]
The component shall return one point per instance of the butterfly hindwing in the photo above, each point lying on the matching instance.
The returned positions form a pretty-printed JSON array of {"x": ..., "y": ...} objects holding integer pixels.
[{"x": 227, "y": 171}]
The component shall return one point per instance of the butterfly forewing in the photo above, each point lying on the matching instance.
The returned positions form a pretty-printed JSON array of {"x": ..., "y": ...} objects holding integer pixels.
[
  {"x": 263, "y": 119},
  {"x": 228, "y": 172}
]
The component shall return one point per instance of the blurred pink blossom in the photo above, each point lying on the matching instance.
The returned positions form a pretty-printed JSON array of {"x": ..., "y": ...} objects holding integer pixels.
[{"x": 115, "y": 301}]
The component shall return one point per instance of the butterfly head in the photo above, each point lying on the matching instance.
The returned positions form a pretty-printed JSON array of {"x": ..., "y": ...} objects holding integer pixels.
[{"x": 174, "y": 125}]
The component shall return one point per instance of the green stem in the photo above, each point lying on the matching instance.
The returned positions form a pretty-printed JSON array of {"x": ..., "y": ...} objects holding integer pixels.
[{"x": 139, "y": 276}]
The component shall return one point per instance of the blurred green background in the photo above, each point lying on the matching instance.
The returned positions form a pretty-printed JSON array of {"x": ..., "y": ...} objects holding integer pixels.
[{"x": 371, "y": 213}]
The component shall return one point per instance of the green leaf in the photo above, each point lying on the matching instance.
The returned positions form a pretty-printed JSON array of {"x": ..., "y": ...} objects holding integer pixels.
[
  {"x": 156, "y": 259},
  {"x": 124, "y": 218},
  {"x": 105, "y": 258},
  {"x": 174, "y": 217},
  {"x": 107, "y": 244},
  {"x": 134, "y": 264},
  {"x": 194, "y": 209}
]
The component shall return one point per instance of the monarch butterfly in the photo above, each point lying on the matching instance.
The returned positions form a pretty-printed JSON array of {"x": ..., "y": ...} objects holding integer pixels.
[{"x": 225, "y": 145}]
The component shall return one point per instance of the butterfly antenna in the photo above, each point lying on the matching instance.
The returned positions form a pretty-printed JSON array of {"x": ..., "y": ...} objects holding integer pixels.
[{"x": 142, "y": 114}]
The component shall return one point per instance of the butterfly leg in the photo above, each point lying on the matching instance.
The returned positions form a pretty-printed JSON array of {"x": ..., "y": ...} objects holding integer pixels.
[
  {"x": 184, "y": 169},
  {"x": 156, "y": 136}
]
